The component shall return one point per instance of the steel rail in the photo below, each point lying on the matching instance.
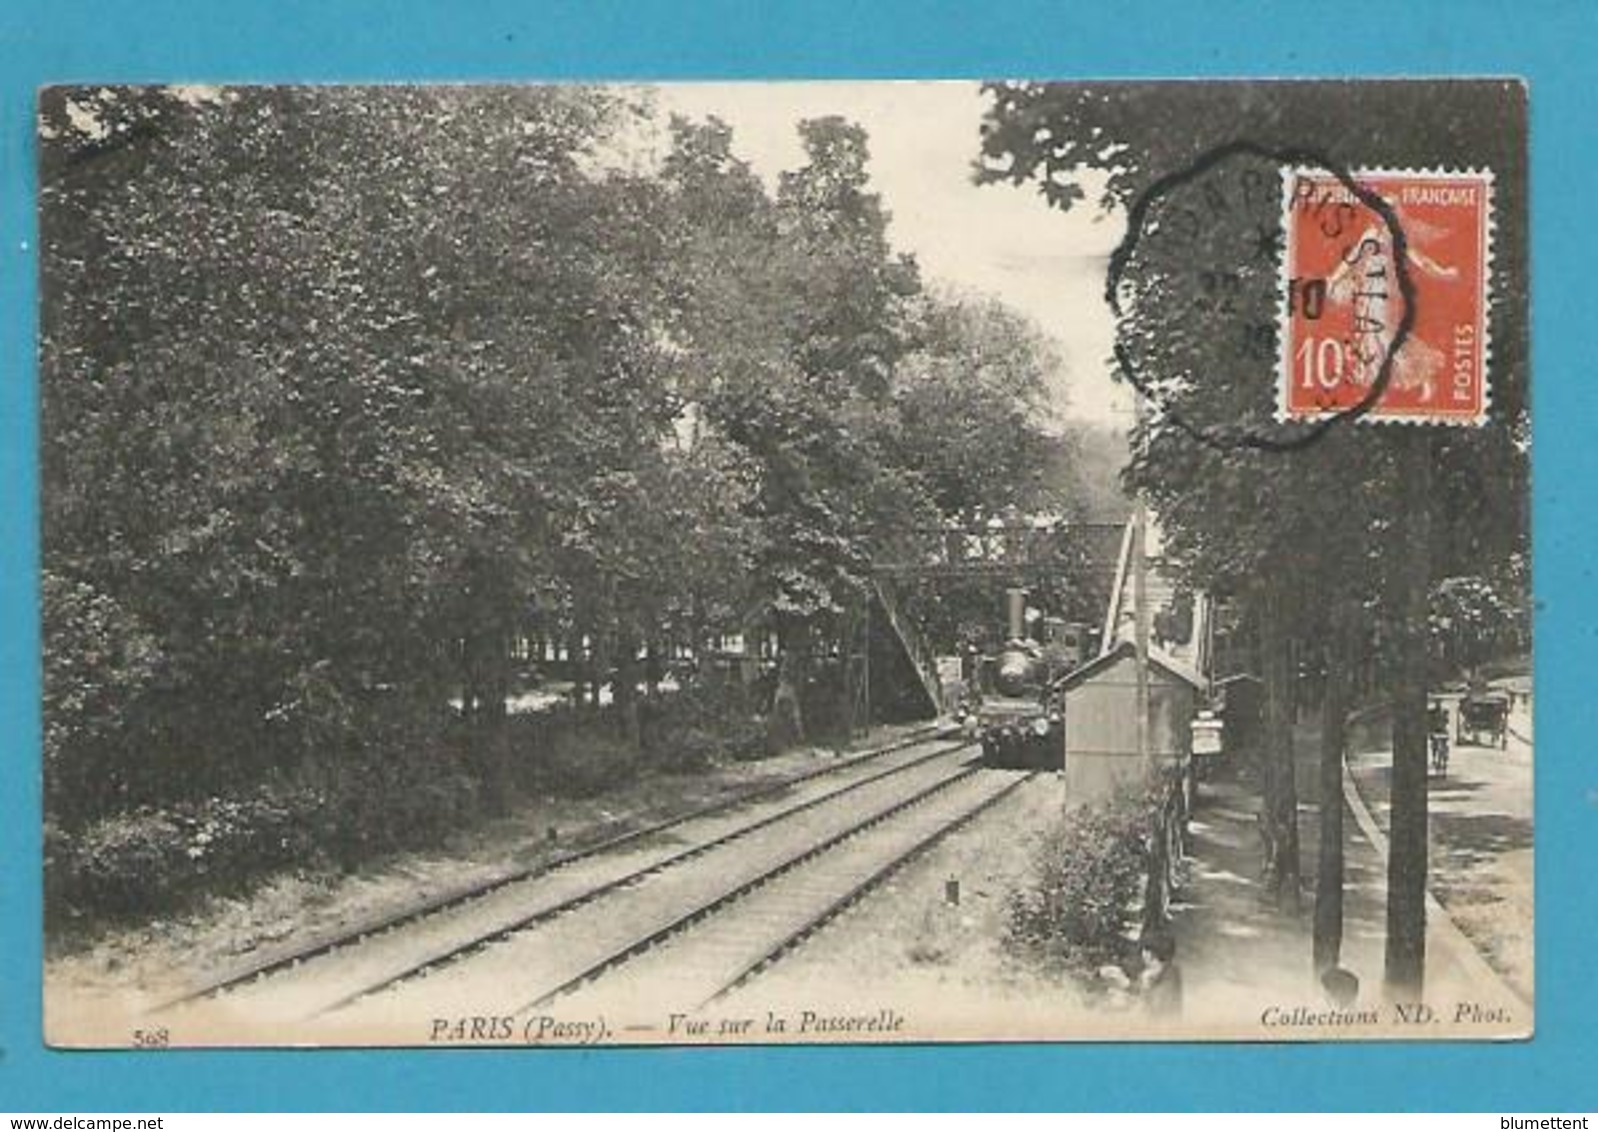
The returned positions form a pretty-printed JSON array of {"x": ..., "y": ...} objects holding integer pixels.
[
  {"x": 838, "y": 906},
  {"x": 451, "y": 952},
  {"x": 276, "y": 961},
  {"x": 646, "y": 942}
]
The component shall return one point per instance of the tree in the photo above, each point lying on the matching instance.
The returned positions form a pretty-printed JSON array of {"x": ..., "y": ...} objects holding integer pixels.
[
  {"x": 320, "y": 367},
  {"x": 1239, "y": 513},
  {"x": 1477, "y": 617},
  {"x": 793, "y": 320},
  {"x": 346, "y": 389},
  {"x": 969, "y": 408}
]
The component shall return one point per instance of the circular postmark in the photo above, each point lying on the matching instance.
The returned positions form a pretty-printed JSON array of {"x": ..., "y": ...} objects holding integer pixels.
[{"x": 1202, "y": 299}]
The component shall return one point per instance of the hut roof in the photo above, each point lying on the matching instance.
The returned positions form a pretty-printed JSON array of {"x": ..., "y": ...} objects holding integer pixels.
[{"x": 1158, "y": 658}]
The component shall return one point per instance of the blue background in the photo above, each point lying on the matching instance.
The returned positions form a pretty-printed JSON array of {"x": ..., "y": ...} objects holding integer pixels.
[{"x": 1550, "y": 44}]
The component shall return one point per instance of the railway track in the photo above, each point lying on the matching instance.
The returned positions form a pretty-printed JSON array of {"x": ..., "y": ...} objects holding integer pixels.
[
  {"x": 767, "y": 896},
  {"x": 706, "y": 956},
  {"x": 335, "y": 970}
]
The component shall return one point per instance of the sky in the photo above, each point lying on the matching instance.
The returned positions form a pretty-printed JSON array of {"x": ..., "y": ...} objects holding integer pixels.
[{"x": 1001, "y": 240}]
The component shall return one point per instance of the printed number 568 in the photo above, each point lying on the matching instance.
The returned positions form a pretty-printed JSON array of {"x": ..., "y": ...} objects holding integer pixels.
[{"x": 150, "y": 1039}]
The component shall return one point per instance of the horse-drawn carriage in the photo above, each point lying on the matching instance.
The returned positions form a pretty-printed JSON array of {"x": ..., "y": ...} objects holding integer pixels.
[{"x": 1483, "y": 720}]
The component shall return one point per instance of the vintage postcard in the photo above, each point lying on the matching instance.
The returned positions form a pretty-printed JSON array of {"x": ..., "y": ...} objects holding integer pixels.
[{"x": 583, "y": 565}]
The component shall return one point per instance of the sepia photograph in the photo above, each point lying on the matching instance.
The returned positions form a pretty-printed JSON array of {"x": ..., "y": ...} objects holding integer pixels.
[{"x": 764, "y": 563}]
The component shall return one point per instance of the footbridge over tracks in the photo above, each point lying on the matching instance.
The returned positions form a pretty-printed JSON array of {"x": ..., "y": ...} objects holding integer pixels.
[{"x": 908, "y": 622}]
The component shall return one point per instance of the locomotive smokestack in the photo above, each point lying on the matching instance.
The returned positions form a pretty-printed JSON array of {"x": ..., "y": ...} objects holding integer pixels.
[{"x": 1015, "y": 608}]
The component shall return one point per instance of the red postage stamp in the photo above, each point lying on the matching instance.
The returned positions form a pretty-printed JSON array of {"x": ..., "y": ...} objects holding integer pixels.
[{"x": 1344, "y": 302}]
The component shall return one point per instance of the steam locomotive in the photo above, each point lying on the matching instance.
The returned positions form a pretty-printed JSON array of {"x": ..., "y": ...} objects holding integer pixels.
[{"x": 1009, "y": 701}]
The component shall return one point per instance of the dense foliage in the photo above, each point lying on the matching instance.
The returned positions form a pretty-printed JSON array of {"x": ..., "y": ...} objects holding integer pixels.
[
  {"x": 1079, "y": 909},
  {"x": 349, "y": 392},
  {"x": 1319, "y": 518},
  {"x": 1330, "y": 543}
]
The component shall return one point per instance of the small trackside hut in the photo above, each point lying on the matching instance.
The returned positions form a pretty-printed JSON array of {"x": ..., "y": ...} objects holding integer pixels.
[{"x": 1101, "y": 731}]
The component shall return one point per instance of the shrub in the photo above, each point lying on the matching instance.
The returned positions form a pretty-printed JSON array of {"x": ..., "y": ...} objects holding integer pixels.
[
  {"x": 1087, "y": 884},
  {"x": 378, "y": 800},
  {"x": 745, "y": 739},
  {"x": 127, "y": 864},
  {"x": 151, "y": 859},
  {"x": 705, "y": 721},
  {"x": 98, "y": 659},
  {"x": 156, "y": 859},
  {"x": 685, "y": 750}
]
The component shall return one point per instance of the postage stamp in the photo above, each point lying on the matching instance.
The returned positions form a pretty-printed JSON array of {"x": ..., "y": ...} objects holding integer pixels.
[{"x": 1392, "y": 291}]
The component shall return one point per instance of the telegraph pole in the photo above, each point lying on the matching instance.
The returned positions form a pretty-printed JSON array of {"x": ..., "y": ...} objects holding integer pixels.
[{"x": 1140, "y": 588}]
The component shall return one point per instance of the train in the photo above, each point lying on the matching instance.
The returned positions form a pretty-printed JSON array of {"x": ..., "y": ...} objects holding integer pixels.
[{"x": 1009, "y": 701}]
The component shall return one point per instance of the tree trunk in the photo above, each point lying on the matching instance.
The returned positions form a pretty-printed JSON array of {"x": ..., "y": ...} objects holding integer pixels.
[
  {"x": 625, "y": 691},
  {"x": 655, "y": 664},
  {"x": 579, "y": 664},
  {"x": 849, "y": 663},
  {"x": 1279, "y": 812},
  {"x": 1328, "y": 947},
  {"x": 1406, "y": 862},
  {"x": 599, "y": 671},
  {"x": 485, "y": 653},
  {"x": 494, "y": 753}
]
